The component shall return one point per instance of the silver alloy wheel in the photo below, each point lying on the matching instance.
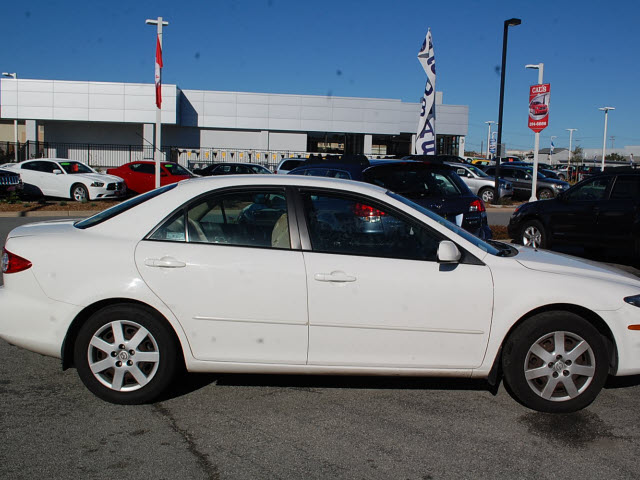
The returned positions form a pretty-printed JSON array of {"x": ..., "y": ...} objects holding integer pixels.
[
  {"x": 559, "y": 366},
  {"x": 487, "y": 195},
  {"x": 80, "y": 194},
  {"x": 123, "y": 356},
  {"x": 532, "y": 237}
]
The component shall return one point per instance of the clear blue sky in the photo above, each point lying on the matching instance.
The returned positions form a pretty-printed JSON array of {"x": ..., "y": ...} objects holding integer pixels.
[{"x": 355, "y": 48}]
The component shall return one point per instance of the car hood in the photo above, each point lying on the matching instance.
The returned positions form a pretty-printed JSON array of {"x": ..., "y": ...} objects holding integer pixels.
[
  {"x": 552, "y": 262},
  {"x": 97, "y": 177}
]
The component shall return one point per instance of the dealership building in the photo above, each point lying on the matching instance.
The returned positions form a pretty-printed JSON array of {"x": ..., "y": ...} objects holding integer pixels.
[{"x": 108, "y": 124}]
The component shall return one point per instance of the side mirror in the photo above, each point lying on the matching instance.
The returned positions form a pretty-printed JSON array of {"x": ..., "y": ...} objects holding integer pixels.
[
  {"x": 448, "y": 252},
  {"x": 57, "y": 171}
]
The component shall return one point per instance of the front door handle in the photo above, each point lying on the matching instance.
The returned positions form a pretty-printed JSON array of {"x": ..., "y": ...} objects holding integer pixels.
[
  {"x": 334, "y": 277},
  {"x": 164, "y": 262}
]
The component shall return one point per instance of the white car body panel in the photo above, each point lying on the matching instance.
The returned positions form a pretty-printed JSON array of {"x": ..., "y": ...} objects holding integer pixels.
[{"x": 74, "y": 268}]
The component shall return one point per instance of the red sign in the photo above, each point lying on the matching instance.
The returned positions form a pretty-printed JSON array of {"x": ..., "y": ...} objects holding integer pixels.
[{"x": 539, "y": 107}]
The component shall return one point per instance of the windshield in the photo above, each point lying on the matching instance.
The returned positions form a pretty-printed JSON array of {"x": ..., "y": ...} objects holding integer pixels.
[
  {"x": 258, "y": 169},
  {"x": 122, "y": 207},
  {"x": 176, "y": 169},
  {"x": 446, "y": 223},
  {"x": 477, "y": 171},
  {"x": 75, "y": 167}
]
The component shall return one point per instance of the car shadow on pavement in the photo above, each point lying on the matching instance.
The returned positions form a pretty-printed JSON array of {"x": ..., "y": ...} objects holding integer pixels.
[
  {"x": 191, "y": 382},
  {"x": 623, "y": 382}
]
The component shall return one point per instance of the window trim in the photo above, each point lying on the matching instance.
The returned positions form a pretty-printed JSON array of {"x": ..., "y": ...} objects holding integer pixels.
[{"x": 294, "y": 236}]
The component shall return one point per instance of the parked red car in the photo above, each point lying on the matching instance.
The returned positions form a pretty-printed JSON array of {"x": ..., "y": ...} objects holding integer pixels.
[{"x": 140, "y": 176}]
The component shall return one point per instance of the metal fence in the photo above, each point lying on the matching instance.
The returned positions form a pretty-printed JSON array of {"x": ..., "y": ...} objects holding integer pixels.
[{"x": 102, "y": 156}]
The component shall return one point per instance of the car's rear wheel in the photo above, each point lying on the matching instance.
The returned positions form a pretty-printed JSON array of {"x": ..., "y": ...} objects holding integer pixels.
[
  {"x": 487, "y": 194},
  {"x": 79, "y": 193},
  {"x": 533, "y": 234},
  {"x": 555, "y": 362},
  {"x": 125, "y": 354}
]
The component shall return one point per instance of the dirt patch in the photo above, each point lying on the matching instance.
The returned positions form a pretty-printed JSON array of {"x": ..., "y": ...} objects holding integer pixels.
[{"x": 53, "y": 206}]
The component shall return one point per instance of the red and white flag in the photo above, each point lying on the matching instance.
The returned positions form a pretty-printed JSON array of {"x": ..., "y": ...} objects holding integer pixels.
[{"x": 158, "y": 76}]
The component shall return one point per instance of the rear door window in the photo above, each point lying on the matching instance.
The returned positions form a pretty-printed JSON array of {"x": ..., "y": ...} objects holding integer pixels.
[{"x": 626, "y": 187}]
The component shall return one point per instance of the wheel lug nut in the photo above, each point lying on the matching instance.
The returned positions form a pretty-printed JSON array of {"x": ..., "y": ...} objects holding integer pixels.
[
  {"x": 121, "y": 347},
  {"x": 132, "y": 352},
  {"x": 566, "y": 373},
  {"x": 555, "y": 374},
  {"x": 558, "y": 357},
  {"x": 113, "y": 354},
  {"x": 550, "y": 365},
  {"x": 130, "y": 363},
  {"x": 118, "y": 364},
  {"x": 568, "y": 362}
]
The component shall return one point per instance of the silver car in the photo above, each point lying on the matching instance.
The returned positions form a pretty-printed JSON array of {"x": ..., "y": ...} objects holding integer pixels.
[{"x": 480, "y": 183}]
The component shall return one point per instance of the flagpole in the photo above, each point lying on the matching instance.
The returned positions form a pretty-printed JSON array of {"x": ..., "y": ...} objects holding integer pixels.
[{"x": 157, "y": 151}]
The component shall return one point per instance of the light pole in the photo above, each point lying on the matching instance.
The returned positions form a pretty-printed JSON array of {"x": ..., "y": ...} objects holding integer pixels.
[
  {"x": 536, "y": 144},
  {"x": 512, "y": 22},
  {"x": 604, "y": 141},
  {"x": 157, "y": 151},
  {"x": 489, "y": 123},
  {"x": 15, "y": 121},
  {"x": 570, "y": 130}
]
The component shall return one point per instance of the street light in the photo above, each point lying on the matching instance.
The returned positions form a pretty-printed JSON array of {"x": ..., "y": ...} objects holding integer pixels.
[
  {"x": 157, "y": 151},
  {"x": 604, "y": 142},
  {"x": 512, "y": 22},
  {"x": 536, "y": 145},
  {"x": 15, "y": 121},
  {"x": 570, "y": 130},
  {"x": 489, "y": 123}
]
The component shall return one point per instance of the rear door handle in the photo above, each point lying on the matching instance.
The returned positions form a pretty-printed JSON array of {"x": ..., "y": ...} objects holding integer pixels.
[
  {"x": 164, "y": 262},
  {"x": 334, "y": 277}
]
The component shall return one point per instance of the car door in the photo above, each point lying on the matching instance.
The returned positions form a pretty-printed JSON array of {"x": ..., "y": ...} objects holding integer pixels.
[
  {"x": 574, "y": 218},
  {"x": 378, "y": 297},
  {"x": 142, "y": 178},
  {"x": 39, "y": 174},
  {"x": 225, "y": 267},
  {"x": 618, "y": 215}
]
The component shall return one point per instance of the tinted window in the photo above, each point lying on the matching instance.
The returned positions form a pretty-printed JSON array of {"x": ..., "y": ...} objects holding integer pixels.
[
  {"x": 75, "y": 167},
  {"x": 593, "y": 189},
  {"x": 291, "y": 164},
  {"x": 626, "y": 187},
  {"x": 148, "y": 168},
  {"x": 254, "y": 218},
  {"x": 176, "y": 169},
  {"x": 41, "y": 166},
  {"x": 346, "y": 225},
  {"x": 339, "y": 174},
  {"x": 414, "y": 181}
]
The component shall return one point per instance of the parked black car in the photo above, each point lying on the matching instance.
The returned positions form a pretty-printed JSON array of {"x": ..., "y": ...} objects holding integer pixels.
[
  {"x": 9, "y": 182},
  {"x": 435, "y": 186},
  {"x": 230, "y": 169},
  {"x": 522, "y": 179},
  {"x": 601, "y": 212}
]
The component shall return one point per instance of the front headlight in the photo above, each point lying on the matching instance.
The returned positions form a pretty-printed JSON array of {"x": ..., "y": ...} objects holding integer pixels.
[
  {"x": 633, "y": 300},
  {"x": 97, "y": 184}
]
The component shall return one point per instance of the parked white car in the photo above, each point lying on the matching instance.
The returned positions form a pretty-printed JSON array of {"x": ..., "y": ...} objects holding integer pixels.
[
  {"x": 193, "y": 273},
  {"x": 60, "y": 177}
]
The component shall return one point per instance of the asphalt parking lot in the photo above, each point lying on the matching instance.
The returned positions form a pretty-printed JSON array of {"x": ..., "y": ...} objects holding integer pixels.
[{"x": 290, "y": 427}]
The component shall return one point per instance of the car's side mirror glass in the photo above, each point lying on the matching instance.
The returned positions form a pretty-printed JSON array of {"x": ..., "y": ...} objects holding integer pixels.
[
  {"x": 448, "y": 252},
  {"x": 57, "y": 171}
]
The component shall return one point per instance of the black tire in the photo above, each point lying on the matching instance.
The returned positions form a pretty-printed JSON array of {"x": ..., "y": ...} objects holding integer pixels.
[
  {"x": 533, "y": 234},
  {"x": 545, "y": 194},
  {"x": 79, "y": 193},
  {"x": 562, "y": 379},
  {"x": 130, "y": 381},
  {"x": 487, "y": 194}
]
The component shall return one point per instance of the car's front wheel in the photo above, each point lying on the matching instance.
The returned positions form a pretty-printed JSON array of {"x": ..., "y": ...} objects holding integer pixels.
[
  {"x": 555, "y": 362},
  {"x": 545, "y": 194},
  {"x": 125, "y": 354},
  {"x": 79, "y": 193}
]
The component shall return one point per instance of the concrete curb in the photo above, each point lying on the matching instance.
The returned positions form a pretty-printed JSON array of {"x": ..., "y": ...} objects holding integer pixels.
[{"x": 50, "y": 213}]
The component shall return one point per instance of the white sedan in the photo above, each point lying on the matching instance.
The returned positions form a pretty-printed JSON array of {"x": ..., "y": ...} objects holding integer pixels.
[
  {"x": 59, "y": 177},
  {"x": 310, "y": 275}
]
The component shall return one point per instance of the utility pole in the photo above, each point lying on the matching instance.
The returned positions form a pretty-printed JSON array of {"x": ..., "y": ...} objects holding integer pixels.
[
  {"x": 570, "y": 130},
  {"x": 157, "y": 152}
]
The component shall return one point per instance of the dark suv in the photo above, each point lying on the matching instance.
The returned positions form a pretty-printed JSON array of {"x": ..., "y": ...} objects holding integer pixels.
[
  {"x": 601, "y": 212},
  {"x": 522, "y": 180},
  {"x": 9, "y": 182},
  {"x": 432, "y": 185}
]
